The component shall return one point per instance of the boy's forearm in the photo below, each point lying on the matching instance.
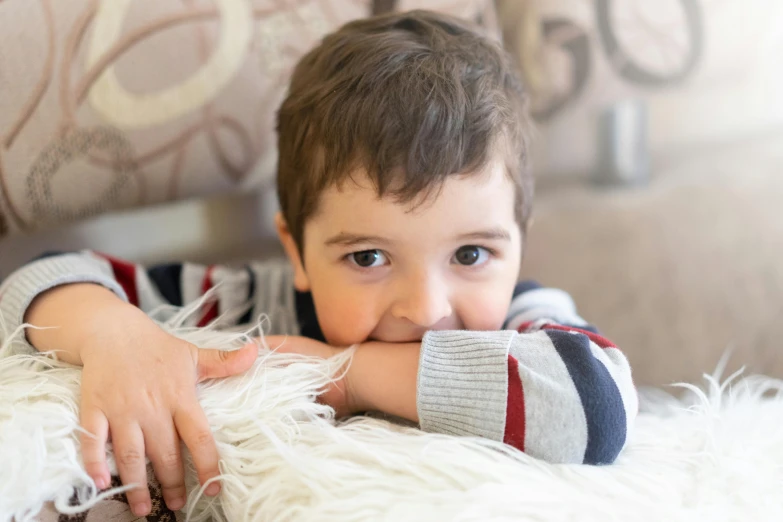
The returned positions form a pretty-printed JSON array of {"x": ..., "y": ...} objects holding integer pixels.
[
  {"x": 74, "y": 312},
  {"x": 383, "y": 377}
]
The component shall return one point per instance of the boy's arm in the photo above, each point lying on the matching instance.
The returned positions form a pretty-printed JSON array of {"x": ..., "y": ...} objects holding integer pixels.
[
  {"x": 149, "y": 288},
  {"x": 138, "y": 381},
  {"x": 556, "y": 393},
  {"x": 559, "y": 393}
]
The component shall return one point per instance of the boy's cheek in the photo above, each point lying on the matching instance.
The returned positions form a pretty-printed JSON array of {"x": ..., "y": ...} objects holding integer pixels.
[
  {"x": 346, "y": 325},
  {"x": 484, "y": 314},
  {"x": 354, "y": 316}
]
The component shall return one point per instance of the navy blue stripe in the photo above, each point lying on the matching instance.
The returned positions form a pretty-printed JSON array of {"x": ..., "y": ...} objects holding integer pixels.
[
  {"x": 601, "y": 400},
  {"x": 251, "y": 297},
  {"x": 306, "y": 316},
  {"x": 168, "y": 280},
  {"x": 523, "y": 287}
]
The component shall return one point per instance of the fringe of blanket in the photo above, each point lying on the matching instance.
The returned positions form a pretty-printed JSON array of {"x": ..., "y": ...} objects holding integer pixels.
[{"x": 716, "y": 454}]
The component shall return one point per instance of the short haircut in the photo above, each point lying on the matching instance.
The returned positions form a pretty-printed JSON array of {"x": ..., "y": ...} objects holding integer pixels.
[{"x": 411, "y": 98}]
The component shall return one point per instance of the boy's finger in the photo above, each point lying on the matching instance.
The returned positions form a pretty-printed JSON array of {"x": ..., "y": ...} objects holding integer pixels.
[
  {"x": 192, "y": 426},
  {"x": 162, "y": 444},
  {"x": 213, "y": 364},
  {"x": 94, "y": 422},
  {"x": 128, "y": 441}
]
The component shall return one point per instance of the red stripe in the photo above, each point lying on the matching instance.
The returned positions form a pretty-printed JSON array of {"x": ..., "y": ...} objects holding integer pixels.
[
  {"x": 125, "y": 274},
  {"x": 212, "y": 309},
  {"x": 524, "y": 327},
  {"x": 600, "y": 340},
  {"x": 515, "y": 408}
]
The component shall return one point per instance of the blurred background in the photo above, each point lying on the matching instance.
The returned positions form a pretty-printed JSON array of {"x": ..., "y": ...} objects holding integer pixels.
[{"x": 144, "y": 129}]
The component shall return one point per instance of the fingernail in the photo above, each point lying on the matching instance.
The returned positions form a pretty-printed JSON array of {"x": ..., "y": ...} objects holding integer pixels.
[
  {"x": 213, "y": 489},
  {"x": 101, "y": 483},
  {"x": 141, "y": 509},
  {"x": 176, "y": 504}
]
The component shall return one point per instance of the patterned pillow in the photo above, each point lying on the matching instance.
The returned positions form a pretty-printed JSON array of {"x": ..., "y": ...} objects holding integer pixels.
[
  {"x": 700, "y": 68},
  {"x": 108, "y": 104}
]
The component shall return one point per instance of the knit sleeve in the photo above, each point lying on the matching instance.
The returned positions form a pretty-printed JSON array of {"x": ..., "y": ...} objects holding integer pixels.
[
  {"x": 558, "y": 392},
  {"x": 238, "y": 294}
]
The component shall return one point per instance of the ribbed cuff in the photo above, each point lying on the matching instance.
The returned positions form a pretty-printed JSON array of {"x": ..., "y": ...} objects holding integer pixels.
[
  {"x": 24, "y": 285},
  {"x": 463, "y": 383}
]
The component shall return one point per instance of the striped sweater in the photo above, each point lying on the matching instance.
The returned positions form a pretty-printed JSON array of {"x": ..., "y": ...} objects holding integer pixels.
[{"x": 546, "y": 384}]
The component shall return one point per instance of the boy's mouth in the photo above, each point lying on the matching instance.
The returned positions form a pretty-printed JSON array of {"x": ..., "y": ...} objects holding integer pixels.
[{"x": 414, "y": 339}]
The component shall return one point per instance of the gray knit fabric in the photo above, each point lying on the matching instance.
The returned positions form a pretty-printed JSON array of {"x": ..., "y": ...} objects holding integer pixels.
[
  {"x": 463, "y": 381},
  {"x": 274, "y": 301},
  {"x": 275, "y": 296}
]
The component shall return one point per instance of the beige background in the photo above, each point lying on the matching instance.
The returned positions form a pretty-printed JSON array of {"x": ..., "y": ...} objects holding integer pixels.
[{"x": 730, "y": 94}]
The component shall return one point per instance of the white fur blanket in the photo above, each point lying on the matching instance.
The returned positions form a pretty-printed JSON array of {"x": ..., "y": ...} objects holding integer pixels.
[{"x": 715, "y": 455}]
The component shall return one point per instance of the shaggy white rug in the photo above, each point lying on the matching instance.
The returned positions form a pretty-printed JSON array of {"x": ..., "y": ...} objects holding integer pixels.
[{"x": 716, "y": 454}]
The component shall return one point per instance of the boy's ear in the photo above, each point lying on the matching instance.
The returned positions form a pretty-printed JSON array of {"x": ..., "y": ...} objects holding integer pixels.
[{"x": 301, "y": 282}]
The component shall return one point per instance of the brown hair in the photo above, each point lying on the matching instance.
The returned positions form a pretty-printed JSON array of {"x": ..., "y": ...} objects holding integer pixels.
[{"x": 410, "y": 97}]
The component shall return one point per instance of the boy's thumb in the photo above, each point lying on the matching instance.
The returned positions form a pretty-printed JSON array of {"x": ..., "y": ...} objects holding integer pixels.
[{"x": 213, "y": 364}]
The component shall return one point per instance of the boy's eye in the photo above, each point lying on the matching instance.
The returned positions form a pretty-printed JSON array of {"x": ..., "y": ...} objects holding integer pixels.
[
  {"x": 471, "y": 255},
  {"x": 368, "y": 258}
]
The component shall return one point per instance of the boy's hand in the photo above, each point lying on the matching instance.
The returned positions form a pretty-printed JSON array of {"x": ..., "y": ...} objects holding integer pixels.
[
  {"x": 338, "y": 395},
  {"x": 139, "y": 383},
  {"x": 138, "y": 387}
]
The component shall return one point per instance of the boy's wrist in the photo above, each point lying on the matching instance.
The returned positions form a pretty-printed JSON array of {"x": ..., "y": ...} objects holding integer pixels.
[
  {"x": 70, "y": 316},
  {"x": 382, "y": 377},
  {"x": 106, "y": 325},
  {"x": 354, "y": 399}
]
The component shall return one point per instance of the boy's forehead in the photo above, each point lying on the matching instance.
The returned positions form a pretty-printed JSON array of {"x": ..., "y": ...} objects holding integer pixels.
[{"x": 484, "y": 197}]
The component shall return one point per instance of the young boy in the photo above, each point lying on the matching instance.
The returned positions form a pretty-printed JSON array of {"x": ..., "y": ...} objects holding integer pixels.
[{"x": 405, "y": 200}]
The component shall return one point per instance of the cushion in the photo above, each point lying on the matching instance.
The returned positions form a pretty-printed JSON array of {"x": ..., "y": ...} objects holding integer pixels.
[{"x": 122, "y": 103}]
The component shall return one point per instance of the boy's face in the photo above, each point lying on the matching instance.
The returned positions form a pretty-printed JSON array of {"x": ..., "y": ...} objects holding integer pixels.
[{"x": 384, "y": 271}]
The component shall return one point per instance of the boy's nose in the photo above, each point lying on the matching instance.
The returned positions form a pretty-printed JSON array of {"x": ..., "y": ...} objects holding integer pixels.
[{"x": 424, "y": 303}]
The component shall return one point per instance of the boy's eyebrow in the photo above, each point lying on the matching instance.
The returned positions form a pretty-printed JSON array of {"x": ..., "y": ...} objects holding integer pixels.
[
  {"x": 490, "y": 234},
  {"x": 348, "y": 239}
]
